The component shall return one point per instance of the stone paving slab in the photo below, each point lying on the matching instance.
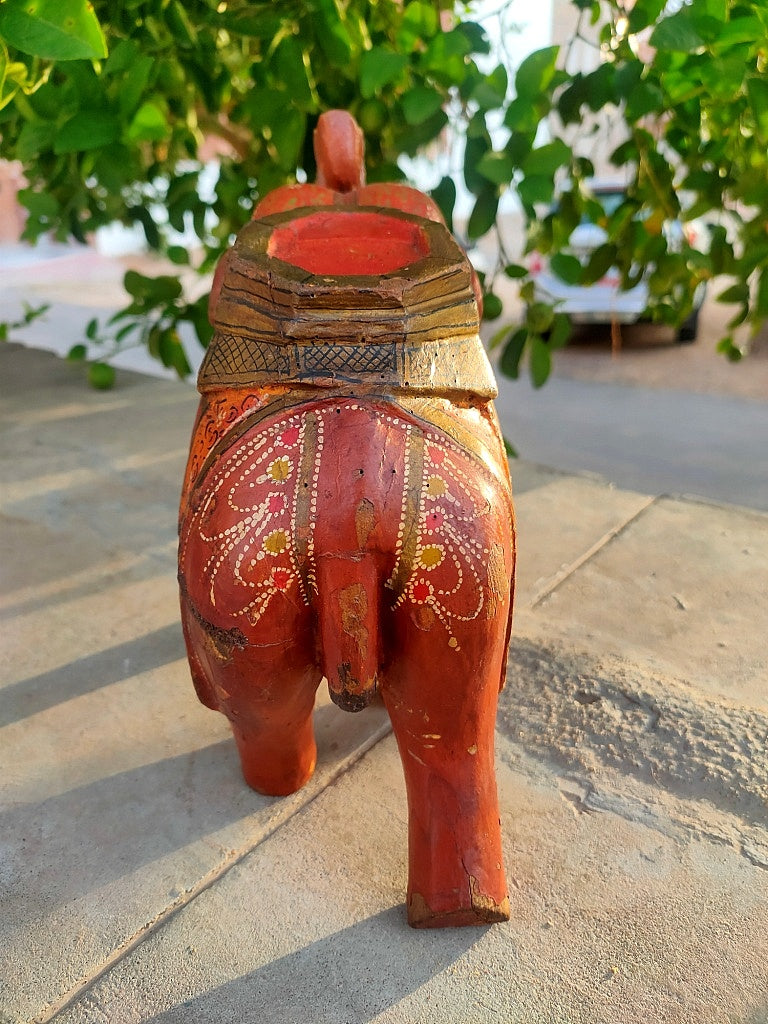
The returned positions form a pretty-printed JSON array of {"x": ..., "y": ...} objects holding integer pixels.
[
  {"x": 683, "y": 590},
  {"x": 613, "y": 920},
  {"x": 561, "y": 521}
]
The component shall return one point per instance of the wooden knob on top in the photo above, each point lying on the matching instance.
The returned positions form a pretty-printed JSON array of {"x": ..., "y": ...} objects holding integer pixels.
[{"x": 339, "y": 151}]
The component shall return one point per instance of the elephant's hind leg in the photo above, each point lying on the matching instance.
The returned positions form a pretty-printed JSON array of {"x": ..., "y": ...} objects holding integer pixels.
[
  {"x": 442, "y": 703},
  {"x": 265, "y": 685}
]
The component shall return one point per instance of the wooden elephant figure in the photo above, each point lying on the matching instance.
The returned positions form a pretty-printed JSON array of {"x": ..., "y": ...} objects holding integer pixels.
[{"x": 347, "y": 510}]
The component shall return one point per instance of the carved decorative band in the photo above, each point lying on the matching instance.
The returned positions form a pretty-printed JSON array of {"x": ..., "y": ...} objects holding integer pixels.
[{"x": 444, "y": 367}]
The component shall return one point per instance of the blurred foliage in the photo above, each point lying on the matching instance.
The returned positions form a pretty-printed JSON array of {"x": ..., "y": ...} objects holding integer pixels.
[{"x": 110, "y": 106}]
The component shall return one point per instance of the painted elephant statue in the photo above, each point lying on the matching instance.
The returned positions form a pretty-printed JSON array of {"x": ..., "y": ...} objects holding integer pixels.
[{"x": 347, "y": 510}]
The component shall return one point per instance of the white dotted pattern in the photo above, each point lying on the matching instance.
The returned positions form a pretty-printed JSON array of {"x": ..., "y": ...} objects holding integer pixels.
[{"x": 259, "y": 481}]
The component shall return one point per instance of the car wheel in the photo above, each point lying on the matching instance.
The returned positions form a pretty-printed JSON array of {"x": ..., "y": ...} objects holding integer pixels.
[{"x": 687, "y": 331}]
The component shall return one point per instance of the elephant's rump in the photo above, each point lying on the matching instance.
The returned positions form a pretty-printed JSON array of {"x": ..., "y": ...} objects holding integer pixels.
[{"x": 354, "y": 501}]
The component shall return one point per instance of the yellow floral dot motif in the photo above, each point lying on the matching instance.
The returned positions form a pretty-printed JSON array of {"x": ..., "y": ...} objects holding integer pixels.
[
  {"x": 436, "y": 487},
  {"x": 431, "y": 556},
  {"x": 280, "y": 469},
  {"x": 276, "y": 542}
]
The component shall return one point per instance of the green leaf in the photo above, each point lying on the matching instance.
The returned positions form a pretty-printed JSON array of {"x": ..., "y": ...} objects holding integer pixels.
[
  {"x": 571, "y": 99},
  {"x": 133, "y": 85},
  {"x": 256, "y": 23},
  {"x": 476, "y": 36},
  {"x": 420, "y": 103},
  {"x": 288, "y": 137},
  {"x": 539, "y": 317},
  {"x": 86, "y": 130},
  {"x": 536, "y": 72},
  {"x": 645, "y": 13},
  {"x": 600, "y": 86},
  {"x": 761, "y": 297},
  {"x": 178, "y": 254},
  {"x": 500, "y": 336},
  {"x": 378, "y": 68},
  {"x": 101, "y": 376},
  {"x": 757, "y": 90},
  {"x": 560, "y": 331},
  {"x": 292, "y": 72},
  {"x": 198, "y": 316},
  {"x": 566, "y": 267},
  {"x": 627, "y": 78},
  {"x": 171, "y": 351},
  {"x": 445, "y": 58},
  {"x": 445, "y": 197},
  {"x": 77, "y": 353},
  {"x": 509, "y": 364},
  {"x": 420, "y": 22},
  {"x": 182, "y": 29},
  {"x": 515, "y": 271},
  {"x": 417, "y": 135},
  {"x": 539, "y": 361},
  {"x": 546, "y": 160},
  {"x": 53, "y": 29},
  {"x": 735, "y": 293},
  {"x": 645, "y": 98},
  {"x": 522, "y": 116},
  {"x": 35, "y": 138},
  {"x": 474, "y": 151},
  {"x": 536, "y": 189},
  {"x": 729, "y": 350},
  {"x": 678, "y": 33},
  {"x": 739, "y": 30},
  {"x": 333, "y": 35},
  {"x": 144, "y": 217},
  {"x": 519, "y": 145},
  {"x": 509, "y": 448},
  {"x": 483, "y": 214},
  {"x": 492, "y": 90},
  {"x": 164, "y": 288},
  {"x": 40, "y": 204},
  {"x": 149, "y": 124},
  {"x": 493, "y": 307},
  {"x": 600, "y": 262},
  {"x": 497, "y": 167}
]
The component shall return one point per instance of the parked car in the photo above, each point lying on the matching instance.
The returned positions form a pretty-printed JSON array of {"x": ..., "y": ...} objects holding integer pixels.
[{"x": 605, "y": 301}]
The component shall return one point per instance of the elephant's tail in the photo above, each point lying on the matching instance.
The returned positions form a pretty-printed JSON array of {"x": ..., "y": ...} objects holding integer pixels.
[{"x": 349, "y": 589}]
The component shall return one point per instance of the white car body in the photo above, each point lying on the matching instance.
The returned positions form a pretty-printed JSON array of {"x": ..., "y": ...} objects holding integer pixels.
[
  {"x": 604, "y": 301},
  {"x": 601, "y": 302}
]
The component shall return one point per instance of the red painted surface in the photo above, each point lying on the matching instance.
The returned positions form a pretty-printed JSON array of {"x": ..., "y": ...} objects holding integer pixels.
[
  {"x": 348, "y": 243},
  {"x": 348, "y": 538},
  {"x": 293, "y": 197},
  {"x": 275, "y": 602}
]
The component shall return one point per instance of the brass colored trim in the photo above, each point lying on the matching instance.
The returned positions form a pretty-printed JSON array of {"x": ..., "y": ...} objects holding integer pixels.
[
  {"x": 302, "y": 525},
  {"x": 409, "y": 520},
  {"x": 449, "y": 366}
]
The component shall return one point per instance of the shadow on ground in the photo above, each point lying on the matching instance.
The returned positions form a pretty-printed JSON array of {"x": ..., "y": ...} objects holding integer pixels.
[{"x": 352, "y": 975}]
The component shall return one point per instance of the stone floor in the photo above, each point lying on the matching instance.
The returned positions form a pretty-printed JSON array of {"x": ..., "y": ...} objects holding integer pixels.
[{"x": 143, "y": 881}]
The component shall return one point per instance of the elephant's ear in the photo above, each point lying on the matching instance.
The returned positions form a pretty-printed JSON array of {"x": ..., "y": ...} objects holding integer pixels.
[
  {"x": 293, "y": 197},
  {"x": 400, "y": 197}
]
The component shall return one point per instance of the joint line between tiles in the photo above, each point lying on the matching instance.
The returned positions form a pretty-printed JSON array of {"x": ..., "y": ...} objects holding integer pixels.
[{"x": 574, "y": 566}]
